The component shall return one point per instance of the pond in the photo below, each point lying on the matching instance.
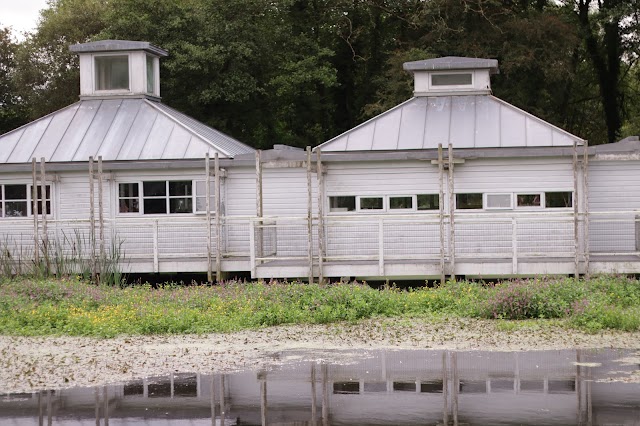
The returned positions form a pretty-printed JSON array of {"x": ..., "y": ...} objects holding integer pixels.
[{"x": 379, "y": 387}]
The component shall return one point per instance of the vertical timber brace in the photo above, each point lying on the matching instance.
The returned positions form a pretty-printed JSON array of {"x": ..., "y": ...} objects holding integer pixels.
[
  {"x": 452, "y": 235},
  {"x": 45, "y": 234},
  {"x": 258, "y": 238},
  {"x": 309, "y": 216},
  {"x": 34, "y": 206},
  {"x": 320, "y": 182},
  {"x": 576, "y": 236},
  {"x": 441, "y": 208},
  {"x": 585, "y": 189},
  {"x": 207, "y": 190},
  {"x": 218, "y": 213},
  {"x": 101, "y": 209},
  {"x": 92, "y": 219}
]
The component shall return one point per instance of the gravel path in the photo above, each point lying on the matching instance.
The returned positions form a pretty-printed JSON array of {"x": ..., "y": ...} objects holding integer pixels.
[{"x": 33, "y": 363}]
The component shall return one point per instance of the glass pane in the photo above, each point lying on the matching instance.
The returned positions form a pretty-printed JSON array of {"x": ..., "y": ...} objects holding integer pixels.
[
  {"x": 558, "y": 199},
  {"x": 528, "y": 200},
  {"x": 450, "y": 79},
  {"x": 180, "y": 188},
  {"x": 40, "y": 207},
  {"x": 154, "y": 189},
  {"x": 371, "y": 203},
  {"x": 498, "y": 201},
  {"x": 128, "y": 190},
  {"x": 15, "y": 192},
  {"x": 400, "y": 202},
  {"x": 468, "y": 201},
  {"x": 201, "y": 204},
  {"x": 153, "y": 206},
  {"x": 201, "y": 187},
  {"x": 15, "y": 208},
  {"x": 428, "y": 202},
  {"x": 342, "y": 204},
  {"x": 130, "y": 205},
  {"x": 112, "y": 72},
  {"x": 180, "y": 205},
  {"x": 47, "y": 189},
  {"x": 150, "y": 75}
]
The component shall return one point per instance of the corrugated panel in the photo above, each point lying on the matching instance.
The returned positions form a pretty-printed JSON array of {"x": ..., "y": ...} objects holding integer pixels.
[
  {"x": 116, "y": 129},
  {"x": 477, "y": 121}
]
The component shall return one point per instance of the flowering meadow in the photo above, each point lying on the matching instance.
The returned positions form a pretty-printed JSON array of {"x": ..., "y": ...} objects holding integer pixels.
[{"x": 79, "y": 308}]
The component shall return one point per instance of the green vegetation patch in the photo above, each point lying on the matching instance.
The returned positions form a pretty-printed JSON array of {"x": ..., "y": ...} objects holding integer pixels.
[{"x": 76, "y": 307}]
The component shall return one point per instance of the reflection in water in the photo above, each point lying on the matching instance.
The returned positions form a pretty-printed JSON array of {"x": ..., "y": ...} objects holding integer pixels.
[{"x": 372, "y": 387}]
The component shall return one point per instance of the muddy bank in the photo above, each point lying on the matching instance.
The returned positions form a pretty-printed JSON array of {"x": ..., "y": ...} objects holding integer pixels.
[{"x": 28, "y": 364}]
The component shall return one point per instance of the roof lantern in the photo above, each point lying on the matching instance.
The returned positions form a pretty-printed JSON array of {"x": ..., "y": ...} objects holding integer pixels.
[
  {"x": 112, "y": 69},
  {"x": 452, "y": 75}
]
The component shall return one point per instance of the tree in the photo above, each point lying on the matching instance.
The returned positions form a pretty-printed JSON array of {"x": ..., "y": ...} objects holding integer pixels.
[{"x": 12, "y": 110}]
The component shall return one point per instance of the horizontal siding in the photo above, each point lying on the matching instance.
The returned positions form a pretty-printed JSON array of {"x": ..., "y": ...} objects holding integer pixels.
[
  {"x": 514, "y": 175},
  {"x": 614, "y": 185},
  {"x": 285, "y": 192},
  {"x": 240, "y": 188}
]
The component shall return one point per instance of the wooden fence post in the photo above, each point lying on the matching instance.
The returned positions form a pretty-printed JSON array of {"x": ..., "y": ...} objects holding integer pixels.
[
  {"x": 101, "y": 209},
  {"x": 320, "y": 180},
  {"x": 576, "y": 237},
  {"x": 207, "y": 190},
  {"x": 585, "y": 188},
  {"x": 452, "y": 235},
  {"x": 218, "y": 206},
  {"x": 34, "y": 208},
  {"x": 309, "y": 216},
  {"x": 92, "y": 220},
  {"x": 441, "y": 208},
  {"x": 45, "y": 235}
]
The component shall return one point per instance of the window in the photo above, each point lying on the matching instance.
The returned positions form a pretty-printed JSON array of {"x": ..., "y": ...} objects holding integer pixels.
[
  {"x": 428, "y": 202},
  {"x": 201, "y": 197},
  {"x": 498, "y": 201},
  {"x": 112, "y": 72},
  {"x": 371, "y": 203},
  {"x": 555, "y": 200},
  {"x": 16, "y": 200},
  {"x": 528, "y": 200},
  {"x": 151, "y": 77},
  {"x": 342, "y": 203},
  {"x": 468, "y": 201},
  {"x": 158, "y": 197},
  {"x": 401, "y": 203},
  {"x": 457, "y": 79}
]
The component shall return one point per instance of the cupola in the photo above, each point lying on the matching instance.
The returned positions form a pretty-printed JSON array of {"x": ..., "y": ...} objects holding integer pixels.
[
  {"x": 452, "y": 75},
  {"x": 119, "y": 69}
]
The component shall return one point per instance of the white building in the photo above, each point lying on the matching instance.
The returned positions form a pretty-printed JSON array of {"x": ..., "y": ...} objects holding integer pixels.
[{"x": 453, "y": 181}]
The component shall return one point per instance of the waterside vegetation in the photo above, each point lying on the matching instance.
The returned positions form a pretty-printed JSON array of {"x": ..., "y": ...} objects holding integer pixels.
[{"x": 76, "y": 307}]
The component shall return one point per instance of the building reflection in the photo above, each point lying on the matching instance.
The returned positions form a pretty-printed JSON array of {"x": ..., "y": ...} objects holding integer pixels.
[{"x": 375, "y": 387}]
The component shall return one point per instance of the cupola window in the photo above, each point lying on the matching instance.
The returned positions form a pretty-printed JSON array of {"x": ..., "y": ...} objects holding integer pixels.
[
  {"x": 151, "y": 81},
  {"x": 112, "y": 72},
  {"x": 457, "y": 79}
]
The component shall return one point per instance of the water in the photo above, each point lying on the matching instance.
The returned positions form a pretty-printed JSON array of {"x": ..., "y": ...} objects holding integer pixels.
[{"x": 363, "y": 388}]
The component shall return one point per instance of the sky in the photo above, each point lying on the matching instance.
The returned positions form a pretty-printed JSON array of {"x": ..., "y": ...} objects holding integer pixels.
[{"x": 21, "y": 15}]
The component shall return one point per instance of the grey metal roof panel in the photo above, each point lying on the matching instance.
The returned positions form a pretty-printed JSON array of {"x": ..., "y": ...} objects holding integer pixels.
[
  {"x": 474, "y": 121},
  {"x": 216, "y": 137},
  {"x": 116, "y": 129},
  {"x": 452, "y": 63},
  {"x": 116, "y": 46}
]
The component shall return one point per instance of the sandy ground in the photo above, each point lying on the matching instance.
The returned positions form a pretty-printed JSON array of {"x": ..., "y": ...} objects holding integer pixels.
[{"x": 28, "y": 364}]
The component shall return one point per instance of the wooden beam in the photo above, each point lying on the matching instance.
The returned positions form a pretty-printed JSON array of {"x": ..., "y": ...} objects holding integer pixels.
[
  {"x": 218, "y": 201},
  {"x": 452, "y": 235},
  {"x": 92, "y": 219},
  {"x": 45, "y": 234},
  {"x": 441, "y": 211},
  {"x": 576, "y": 237},
  {"x": 259, "y": 206},
  {"x": 207, "y": 172},
  {"x": 585, "y": 189},
  {"x": 101, "y": 209},
  {"x": 321, "y": 198},
  {"x": 309, "y": 216},
  {"x": 34, "y": 208}
]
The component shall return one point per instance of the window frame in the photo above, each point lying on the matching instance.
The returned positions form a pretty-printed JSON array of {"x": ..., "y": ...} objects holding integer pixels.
[
  {"x": 485, "y": 201},
  {"x": 150, "y": 60},
  {"x": 167, "y": 197},
  {"x": 414, "y": 203},
  {"x": 95, "y": 72},
  {"x": 456, "y": 208},
  {"x": 359, "y": 208},
  {"x": 539, "y": 207},
  {"x": 339, "y": 212},
  {"x": 450, "y": 86},
  {"x": 28, "y": 200},
  {"x": 544, "y": 200},
  {"x": 212, "y": 197}
]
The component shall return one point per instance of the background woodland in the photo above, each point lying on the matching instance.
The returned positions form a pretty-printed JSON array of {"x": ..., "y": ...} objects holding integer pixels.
[{"x": 299, "y": 72}]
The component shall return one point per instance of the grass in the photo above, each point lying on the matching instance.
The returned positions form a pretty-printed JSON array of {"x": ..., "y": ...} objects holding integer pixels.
[{"x": 72, "y": 306}]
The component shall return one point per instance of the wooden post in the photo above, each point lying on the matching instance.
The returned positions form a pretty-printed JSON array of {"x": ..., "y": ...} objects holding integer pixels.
[
  {"x": 314, "y": 405},
  {"x": 207, "y": 190},
  {"x": 213, "y": 400},
  {"x": 585, "y": 189},
  {"x": 223, "y": 408},
  {"x": 309, "y": 216},
  {"x": 441, "y": 208},
  {"x": 258, "y": 240},
  {"x": 262, "y": 377},
  {"x": 218, "y": 201},
  {"x": 456, "y": 386},
  {"x": 325, "y": 395},
  {"x": 105, "y": 403},
  {"x": 320, "y": 181},
  {"x": 101, "y": 208},
  {"x": 45, "y": 235},
  {"x": 576, "y": 239},
  {"x": 34, "y": 205},
  {"x": 92, "y": 220},
  {"x": 452, "y": 235},
  {"x": 445, "y": 387}
]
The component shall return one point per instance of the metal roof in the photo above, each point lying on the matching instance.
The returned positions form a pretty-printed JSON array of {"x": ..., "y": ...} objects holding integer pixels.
[
  {"x": 452, "y": 63},
  {"x": 116, "y": 46},
  {"x": 474, "y": 121},
  {"x": 116, "y": 129}
]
